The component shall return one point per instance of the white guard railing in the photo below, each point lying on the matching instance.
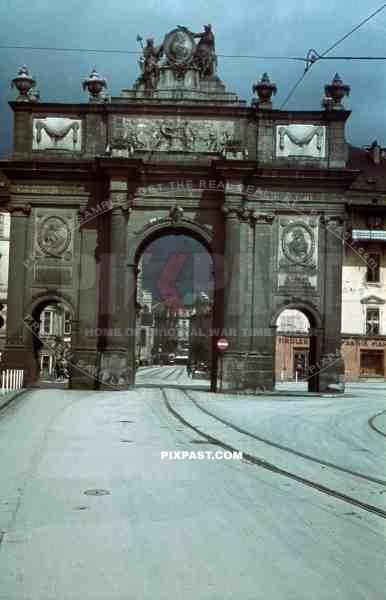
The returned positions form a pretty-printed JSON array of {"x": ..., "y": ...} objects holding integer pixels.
[{"x": 11, "y": 380}]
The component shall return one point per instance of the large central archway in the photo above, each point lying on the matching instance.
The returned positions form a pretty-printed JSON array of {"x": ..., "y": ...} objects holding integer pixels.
[{"x": 177, "y": 306}]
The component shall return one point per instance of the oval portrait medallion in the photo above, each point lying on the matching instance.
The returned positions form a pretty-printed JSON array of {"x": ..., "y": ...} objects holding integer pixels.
[
  {"x": 179, "y": 46},
  {"x": 54, "y": 235},
  {"x": 298, "y": 243}
]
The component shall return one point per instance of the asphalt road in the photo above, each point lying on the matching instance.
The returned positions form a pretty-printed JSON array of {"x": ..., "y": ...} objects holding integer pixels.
[
  {"x": 175, "y": 375},
  {"x": 204, "y": 529}
]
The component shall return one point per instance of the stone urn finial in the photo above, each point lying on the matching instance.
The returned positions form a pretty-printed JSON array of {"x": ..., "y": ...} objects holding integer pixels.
[
  {"x": 336, "y": 90},
  {"x": 23, "y": 82},
  {"x": 264, "y": 89},
  {"x": 94, "y": 84},
  {"x": 327, "y": 103},
  {"x": 34, "y": 95}
]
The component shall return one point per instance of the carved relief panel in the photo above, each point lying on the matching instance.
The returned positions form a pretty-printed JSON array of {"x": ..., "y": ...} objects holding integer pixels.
[
  {"x": 301, "y": 140},
  {"x": 57, "y": 133},
  {"x": 53, "y": 247},
  {"x": 173, "y": 134},
  {"x": 298, "y": 254}
]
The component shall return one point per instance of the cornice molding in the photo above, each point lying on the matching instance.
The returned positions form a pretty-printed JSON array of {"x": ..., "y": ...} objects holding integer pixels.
[{"x": 22, "y": 210}]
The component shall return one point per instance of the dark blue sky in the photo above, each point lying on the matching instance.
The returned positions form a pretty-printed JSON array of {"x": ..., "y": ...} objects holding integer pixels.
[{"x": 285, "y": 27}]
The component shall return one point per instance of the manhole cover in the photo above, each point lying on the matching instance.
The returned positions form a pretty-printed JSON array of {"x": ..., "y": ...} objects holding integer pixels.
[
  {"x": 97, "y": 492},
  {"x": 81, "y": 507},
  {"x": 127, "y": 441},
  {"x": 127, "y": 421}
]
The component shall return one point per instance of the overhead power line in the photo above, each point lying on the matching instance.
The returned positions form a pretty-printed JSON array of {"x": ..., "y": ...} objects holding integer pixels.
[
  {"x": 380, "y": 9},
  {"x": 247, "y": 56},
  {"x": 293, "y": 89},
  {"x": 351, "y": 58},
  {"x": 297, "y": 58},
  {"x": 86, "y": 50},
  {"x": 314, "y": 57},
  {"x": 114, "y": 51}
]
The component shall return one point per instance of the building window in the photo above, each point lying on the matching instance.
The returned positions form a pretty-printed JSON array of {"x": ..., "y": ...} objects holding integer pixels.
[
  {"x": 372, "y": 363},
  {"x": 143, "y": 338},
  {"x": 300, "y": 362},
  {"x": 372, "y": 321},
  {"x": 45, "y": 323},
  {"x": 67, "y": 323},
  {"x": 2, "y": 222},
  {"x": 45, "y": 364},
  {"x": 373, "y": 268},
  {"x": 375, "y": 234}
]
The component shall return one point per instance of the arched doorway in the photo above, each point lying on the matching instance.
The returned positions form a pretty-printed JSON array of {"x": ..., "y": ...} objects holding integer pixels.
[
  {"x": 48, "y": 334},
  {"x": 175, "y": 299},
  {"x": 296, "y": 364}
]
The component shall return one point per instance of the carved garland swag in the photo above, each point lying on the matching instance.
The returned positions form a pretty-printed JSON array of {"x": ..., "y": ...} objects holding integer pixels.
[
  {"x": 57, "y": 134},
  {"x": 301, "y": 141}
]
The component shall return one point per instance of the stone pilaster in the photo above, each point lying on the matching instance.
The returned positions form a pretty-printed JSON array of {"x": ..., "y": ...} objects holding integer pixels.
[
  {"x": 117, "y": 373},
  {"x": 237, "y": 294},
  {"x": 337, "y": 145},
  {"x": 262, "y": 337},
  {"x": 22, "y": 132},
  {"x": 131, "y": 320},
  {"x": 265, "y": 135},
  {"x": 84, "y": 326},
  {"x": 316, "y": 341},
  {"x": 16, "y": 355},
  {"x": 331, "y": 367}
]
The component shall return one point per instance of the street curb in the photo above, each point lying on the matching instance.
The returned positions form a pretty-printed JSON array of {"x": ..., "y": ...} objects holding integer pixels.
[{"x": 12, "y": 397}]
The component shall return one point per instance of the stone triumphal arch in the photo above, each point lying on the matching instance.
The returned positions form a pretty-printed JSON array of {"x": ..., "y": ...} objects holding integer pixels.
[{"x": 89, "y": 185}]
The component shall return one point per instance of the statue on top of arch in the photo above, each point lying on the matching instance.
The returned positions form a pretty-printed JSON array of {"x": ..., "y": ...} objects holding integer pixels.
[
  {"x": 204, "y": 56},
  {"x": 181, "y": 53},
  {"x": 149, "y": 63}
]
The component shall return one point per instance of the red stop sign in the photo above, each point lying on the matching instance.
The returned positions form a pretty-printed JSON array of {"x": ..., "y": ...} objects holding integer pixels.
[{"x": 222, "y": 344}]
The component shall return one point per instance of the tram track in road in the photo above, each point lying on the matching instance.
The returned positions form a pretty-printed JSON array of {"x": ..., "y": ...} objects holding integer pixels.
[
  {"x": 374, "y": 427},
  {"x": 12, "y": 402},
  {"x": 288, "y": 449},
  {"x": 262, "y": 463}
]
